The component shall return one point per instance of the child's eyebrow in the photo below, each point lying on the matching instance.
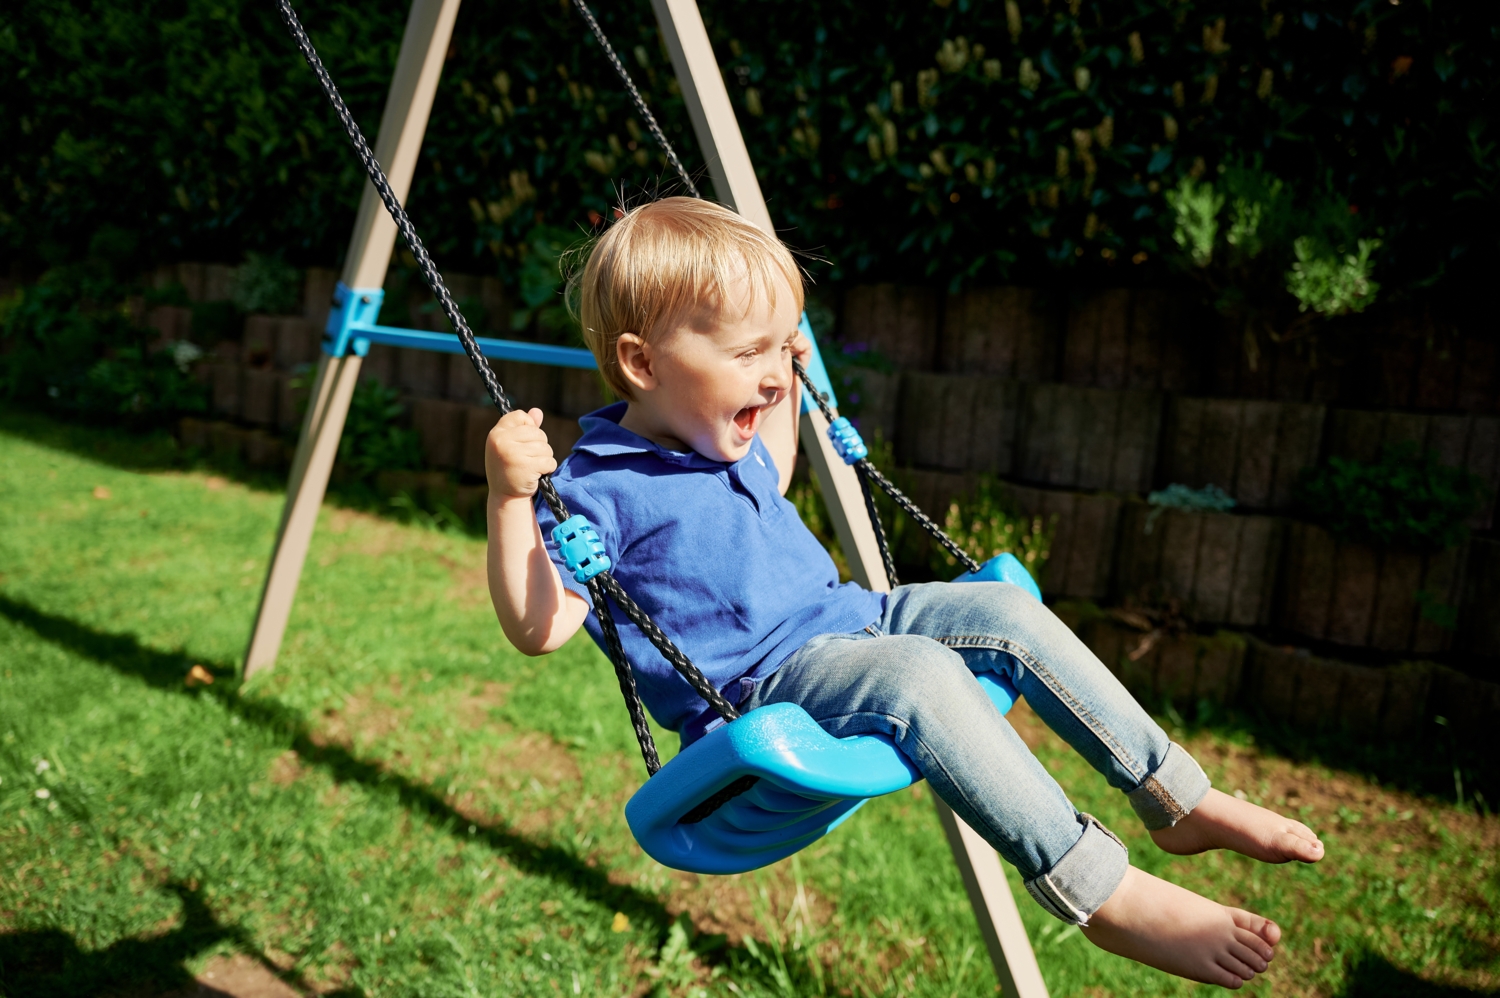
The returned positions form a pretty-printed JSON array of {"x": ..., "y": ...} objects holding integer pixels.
[{"x": 762, "y": 340}]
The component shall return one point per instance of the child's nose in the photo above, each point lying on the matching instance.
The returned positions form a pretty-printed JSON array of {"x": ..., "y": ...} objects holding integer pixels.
[{"x": 777, "y": 376}]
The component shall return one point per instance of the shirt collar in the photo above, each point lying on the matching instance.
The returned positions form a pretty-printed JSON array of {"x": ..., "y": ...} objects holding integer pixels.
[{"x": 603, "y": 436}]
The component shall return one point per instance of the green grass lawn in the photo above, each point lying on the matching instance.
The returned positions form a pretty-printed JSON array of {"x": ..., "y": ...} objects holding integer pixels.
[{"x": 407, "y": 806}]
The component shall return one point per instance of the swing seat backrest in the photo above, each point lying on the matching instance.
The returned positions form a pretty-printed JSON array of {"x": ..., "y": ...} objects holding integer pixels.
[{"x": 807, "y": 782}]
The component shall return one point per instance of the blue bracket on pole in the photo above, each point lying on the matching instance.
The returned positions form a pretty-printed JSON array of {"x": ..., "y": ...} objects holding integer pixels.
[
  {"x": 352, "y": 326},
  {"x": 816, "y": 372}
]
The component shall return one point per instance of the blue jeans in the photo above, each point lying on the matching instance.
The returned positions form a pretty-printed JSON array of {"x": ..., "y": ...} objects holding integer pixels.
[{"x": 911, "y": 677}]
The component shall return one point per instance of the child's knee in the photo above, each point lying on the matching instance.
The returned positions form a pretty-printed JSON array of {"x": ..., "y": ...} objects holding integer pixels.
[
  {"x": 1004, "y": 601},
  {"x": 925, "y": 678}
]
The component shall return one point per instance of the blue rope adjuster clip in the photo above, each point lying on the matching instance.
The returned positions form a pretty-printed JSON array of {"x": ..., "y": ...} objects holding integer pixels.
[
  {"x": 846, "y": 441},
  {"x": 581, "y": 547}
]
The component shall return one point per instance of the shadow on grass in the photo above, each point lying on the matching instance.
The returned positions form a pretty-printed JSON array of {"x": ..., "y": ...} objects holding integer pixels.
[
  {"x": 165, "y": 670},
  {"x": 45, "y": 962},
  {"x": 156, "y": 450},
  {"x": 1373, "y": 976},
  {"x": 139, "y": 450}
]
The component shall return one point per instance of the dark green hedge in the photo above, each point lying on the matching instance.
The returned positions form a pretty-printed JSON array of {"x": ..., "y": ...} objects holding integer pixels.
[{"x": 190, "y": 127}]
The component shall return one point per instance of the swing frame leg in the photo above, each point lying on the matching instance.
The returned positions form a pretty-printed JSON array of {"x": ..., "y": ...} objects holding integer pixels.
[
  {"x": 994, "y": 907},
  {"x": 424, "y": 45}
]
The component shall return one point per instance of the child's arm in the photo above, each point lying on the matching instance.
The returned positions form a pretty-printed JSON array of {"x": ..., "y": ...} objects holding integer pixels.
[
  {"x": 537, "y": 612},
  {"x": 780, "y": 431}
]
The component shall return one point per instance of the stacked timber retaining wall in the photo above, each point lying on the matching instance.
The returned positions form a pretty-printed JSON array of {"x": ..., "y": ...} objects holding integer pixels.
[{"x": 1081, "y": 405}]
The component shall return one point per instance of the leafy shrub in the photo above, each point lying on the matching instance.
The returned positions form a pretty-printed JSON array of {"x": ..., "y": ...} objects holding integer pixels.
[
  {"x": 1404, "y": 499},
  {"x": 374, "y": 440},
  {"x": 960, "y": 141},
  {"x": 266, "y": 284},
  {"x": 985, "y": 524},
  {"x": 69, "y": 344},
  {"x": 1276, "y": 258},
  {"x": 1329, "y": 285}
]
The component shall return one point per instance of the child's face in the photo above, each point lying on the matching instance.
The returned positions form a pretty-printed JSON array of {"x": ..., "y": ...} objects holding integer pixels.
[{"x": 709, "y": 386}]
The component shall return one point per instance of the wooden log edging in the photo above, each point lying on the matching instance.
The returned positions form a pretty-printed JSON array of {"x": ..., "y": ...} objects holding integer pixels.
[
  {"x": 1289, "y": 685},
  {"x": 1255, "y": 450},
  {"x": 1219, "y": 568},
  {"x": 1353, "y": 594},
  {"x": 900, "y": 321},
  {"x": 1002, "y": 332},
  {"x": 1123, "y": 338},
  {"x": 1479, "y": 620},
  {"x": 1088, "y": 438},
  {"x": 958, "y": 422}
]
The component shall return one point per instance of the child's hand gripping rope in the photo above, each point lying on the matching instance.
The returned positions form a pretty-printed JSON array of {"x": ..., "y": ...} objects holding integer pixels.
[{"x": 517, "y": 455}]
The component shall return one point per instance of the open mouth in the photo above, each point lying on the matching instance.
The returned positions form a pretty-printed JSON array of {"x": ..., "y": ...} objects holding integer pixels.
[{"x": 747, "y": 420}]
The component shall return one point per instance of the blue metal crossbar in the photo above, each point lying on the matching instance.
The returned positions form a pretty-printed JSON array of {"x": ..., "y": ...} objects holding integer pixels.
[{"x": 352, "y": 327}]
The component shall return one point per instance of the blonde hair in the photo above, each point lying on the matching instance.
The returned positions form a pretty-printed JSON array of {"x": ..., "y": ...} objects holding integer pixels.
[{"x": 670, "y": 263}]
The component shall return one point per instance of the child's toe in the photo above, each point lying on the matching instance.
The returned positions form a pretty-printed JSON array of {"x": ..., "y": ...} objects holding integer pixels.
[
  {"x": 1229, "y": 973},
  {"x": 1300, "y": 842},
  {"x": 1248, "y": 956},
  {"x": 1260, "y": 933}
]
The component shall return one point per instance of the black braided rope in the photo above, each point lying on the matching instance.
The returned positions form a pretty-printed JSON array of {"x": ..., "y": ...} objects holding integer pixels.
[
  {"x": 600, "y": 584},
  {"x": 675, "y": 658},
  {"x": 626, "y": 679},
  {"x": 392, "y": 205},
  {"x": 867, "y": 469},
  {"x": 635, "y": 95},
  {"x": 880, "y": 538}
]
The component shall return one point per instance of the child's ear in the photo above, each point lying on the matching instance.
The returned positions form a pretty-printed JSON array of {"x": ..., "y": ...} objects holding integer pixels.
[{"x": 634, "y": 357}]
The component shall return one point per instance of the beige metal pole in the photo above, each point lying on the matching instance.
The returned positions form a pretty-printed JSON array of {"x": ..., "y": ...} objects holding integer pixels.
[
  {"x": 988, "y": 891},
  {"x": 736, "y": 185},
  {"x": 429, "y": 27}
]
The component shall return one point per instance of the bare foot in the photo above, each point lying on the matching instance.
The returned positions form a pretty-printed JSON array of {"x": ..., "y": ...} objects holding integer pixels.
[
  {"x": 1225, "y": 822},
  {"x": 1170, "y": 928}
]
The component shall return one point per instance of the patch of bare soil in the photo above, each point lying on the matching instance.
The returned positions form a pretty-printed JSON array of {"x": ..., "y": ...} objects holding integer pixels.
[
  {"x": 473, "y": 710},
  {"x": 362, "y": 721},
  {"x": 237, "y": 976},
  {"x": 471, "y": 581},
  {"x": 370, "y": 536},
  {"x": 368, "y": 718},
  {"x": 286, "y": 768}
]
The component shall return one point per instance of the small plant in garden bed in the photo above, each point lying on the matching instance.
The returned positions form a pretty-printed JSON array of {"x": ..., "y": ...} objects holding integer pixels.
[
  {"x": 1209, "y": 499},
  {"x": 986, "y": 524},
  {"x": 373, "y": 438},
  {"x": 1404, "y": 499},
  {"x": 266, "y": 284}
]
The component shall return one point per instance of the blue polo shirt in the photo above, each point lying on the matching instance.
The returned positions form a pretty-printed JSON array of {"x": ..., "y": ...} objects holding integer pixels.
[{"x": 713, "y": 552}]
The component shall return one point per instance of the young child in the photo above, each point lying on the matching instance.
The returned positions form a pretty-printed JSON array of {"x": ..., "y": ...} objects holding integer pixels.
[{"x": 692, "y": 313}]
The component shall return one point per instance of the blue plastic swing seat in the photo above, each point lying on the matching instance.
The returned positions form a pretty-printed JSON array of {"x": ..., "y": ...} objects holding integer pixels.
[{"x": 808, "y": 783}]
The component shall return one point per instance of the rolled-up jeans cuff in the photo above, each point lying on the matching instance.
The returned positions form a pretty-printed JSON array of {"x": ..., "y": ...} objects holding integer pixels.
[
  {"x": 1086, "y": 876},
  {"x": 1169, "y": 794}
]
